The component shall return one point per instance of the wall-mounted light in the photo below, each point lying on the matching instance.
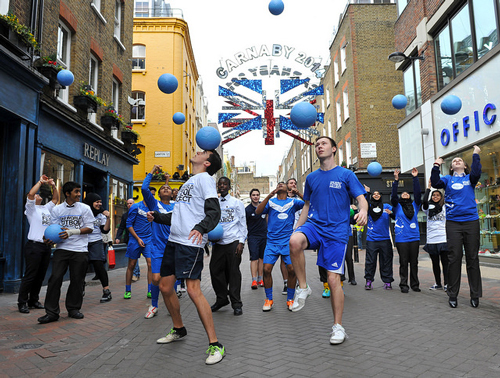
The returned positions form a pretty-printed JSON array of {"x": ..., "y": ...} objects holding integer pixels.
[{"x": 398, "y": 57}]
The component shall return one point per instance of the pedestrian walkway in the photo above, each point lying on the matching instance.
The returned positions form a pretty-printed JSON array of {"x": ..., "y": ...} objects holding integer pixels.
[{"x": 390, "y": 334}]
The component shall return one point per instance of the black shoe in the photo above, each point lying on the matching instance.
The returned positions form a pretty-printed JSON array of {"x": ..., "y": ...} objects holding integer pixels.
[
  {"x": 36, "y": 305},
  {"x": 47, "y": 319},
  {"x": 106, "y": 296},
  {"x": 353, "y": 282},
  {"x": 217, "y": 306},
  {"x": 404, "y": 290},
  {"x": 474, "y": 302},
  {"x": 453, "y": 302},
  {"x": 23, "y": 308},
  {"x": 76, "y": 315},
  {"x": 238, "y": 311},
  {"x": 285, "y": 289},
  {"x": 417, "y": 289}
]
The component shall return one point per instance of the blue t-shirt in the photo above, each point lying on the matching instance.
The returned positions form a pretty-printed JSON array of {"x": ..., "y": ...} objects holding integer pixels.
[
  {"x": 329, "y": 195},
  {"x": 281, "y": 219},
  {"x": 137, "y": 218},
  {"x": 406, "y": 230},
  {"x": 161, "y": 232},
  {"x": 256, "y": 224},
  {"x": 379, "y": 230}
]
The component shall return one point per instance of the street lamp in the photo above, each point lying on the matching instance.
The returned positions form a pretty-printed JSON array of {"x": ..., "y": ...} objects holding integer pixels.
[{"x": 398, "y": 57}]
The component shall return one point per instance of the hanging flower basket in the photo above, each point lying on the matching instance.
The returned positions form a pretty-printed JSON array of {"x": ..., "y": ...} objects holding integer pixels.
[
  {"x": 51, "y": 74},
  {"x": 13, "y": 42},
  {"x": 108, "y": 121},
  {"x": 129, "y": 136},
  {"x": 85, "y": 103}
]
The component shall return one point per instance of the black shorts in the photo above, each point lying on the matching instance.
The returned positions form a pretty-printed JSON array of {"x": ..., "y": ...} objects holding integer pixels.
[
  {"x": 256, "y": 247},
  {"x": 96, "y": 251},
  {"x": 182, "y": 261}
]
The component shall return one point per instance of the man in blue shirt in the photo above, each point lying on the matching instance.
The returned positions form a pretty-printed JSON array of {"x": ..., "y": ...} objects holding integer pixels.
[
  {"x": 281, "y": 211},
  {"x": 324, "y": 225}
]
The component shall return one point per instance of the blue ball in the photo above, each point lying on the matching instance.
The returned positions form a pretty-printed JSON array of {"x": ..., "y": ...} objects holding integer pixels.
[
  {"x": 208, "y": 138},
  {"x": 167, "y": 83},
  {"x": 216, "y": 233},
  {"x": 65, "y": 77},
  {"x": 276, "y": 7},
  {"x": 303, "y": 115},
  {"x": 374, "y": 169},
  {"x": 179, "y": 118},
  {"x": 451, "y": 104},
  {"x": 52, "y": 233},
  {"x": 399, "y": 101}
]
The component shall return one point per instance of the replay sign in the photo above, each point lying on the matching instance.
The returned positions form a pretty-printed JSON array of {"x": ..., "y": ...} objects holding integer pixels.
[{"x": 264, "y": 51}]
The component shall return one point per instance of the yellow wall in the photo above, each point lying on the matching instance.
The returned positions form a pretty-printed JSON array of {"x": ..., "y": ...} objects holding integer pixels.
[{"x": 168, "y": 50}]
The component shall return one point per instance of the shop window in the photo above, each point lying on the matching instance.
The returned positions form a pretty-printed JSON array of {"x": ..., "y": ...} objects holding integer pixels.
[
  {"x": 63, "y": 55},
  {"x": 442, "y": 47},
  {"x": 139, "y": 57},
  {"x": 485, "y": 26},
  {"x": 138, "y": 109},
  {"x": 117, "y": 205},
  {"x": 463, "y": 54},
  {"x": 58, "y": 168}
]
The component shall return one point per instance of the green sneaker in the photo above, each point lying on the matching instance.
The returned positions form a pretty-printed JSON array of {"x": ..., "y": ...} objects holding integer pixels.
[
  {"x": 215, "y": 354},
  {"x": 149, "y": 294},
  {"x": 326, "y": 293},
  {"x": 127, "y": 295}
]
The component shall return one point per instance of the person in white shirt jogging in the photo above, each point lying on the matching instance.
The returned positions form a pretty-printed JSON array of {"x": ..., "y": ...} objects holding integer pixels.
[
  {"x": 226, "y": 253},
  {"x": 195, "y": 213},
  {"x": 37, "y": 249},
  {"x": 77, "y": 221}
]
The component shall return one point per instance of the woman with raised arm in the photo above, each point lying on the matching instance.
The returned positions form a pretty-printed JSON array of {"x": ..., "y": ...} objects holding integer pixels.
[{"x": 462, "y": 224}]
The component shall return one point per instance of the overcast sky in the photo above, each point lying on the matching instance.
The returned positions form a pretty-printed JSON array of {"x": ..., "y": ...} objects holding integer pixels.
[{"x": 221, "y": 28}]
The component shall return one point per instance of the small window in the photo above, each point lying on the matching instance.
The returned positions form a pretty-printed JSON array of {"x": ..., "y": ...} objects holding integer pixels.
[
  {"x": 139, "y": 57},
  {"x": 345, "y": 96},
  {"x": 138, "y": 109},
  {"x": 327, "y": 97},
  {"x": 336, "y": 70},
  {"x": 141, "y": 9},
  {"x": 339, "y": 116},
  {"x": 118, "y": 19},
  {"x": 115, "y": 95},
  {"x": 343, "y": 58},
  {"x": 348, "y": 158},
  {"x": 63, "y": 55}
]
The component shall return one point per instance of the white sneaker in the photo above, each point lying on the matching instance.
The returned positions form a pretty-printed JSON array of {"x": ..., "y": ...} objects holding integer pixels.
[
  {"x": 215, "y": 354},
  {"x": 300, "y": 298},
  {"x": 338, "y": 334},
  {"x": 152, "y": 311},
  {"x": 173, "y": 335}
]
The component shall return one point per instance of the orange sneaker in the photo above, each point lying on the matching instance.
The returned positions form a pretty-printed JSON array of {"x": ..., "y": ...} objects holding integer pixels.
[
  {"x": 254, "y": 285},
  {"x": 268, "y": 305},
  {"x": 261, "y": 283},
  {"x": 289, "y": 304}
]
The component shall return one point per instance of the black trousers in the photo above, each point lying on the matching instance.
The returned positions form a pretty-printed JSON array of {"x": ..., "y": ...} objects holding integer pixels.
[
  {"x": 225, "y": 274},
  {"x": 77, "y": 263},
  {"x": 408, "y": 254},
  {"x": 466, "y": 235},
  {"x": 382, "y": 248},
  {"x": 436, "y": 258},
  {"x": 37, "y": 259}
]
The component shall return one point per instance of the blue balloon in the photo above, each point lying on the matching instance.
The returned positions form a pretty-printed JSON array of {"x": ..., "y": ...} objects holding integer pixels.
[
  {"x": 216, "y": 233},
  {"x": 374, "y": 168},
  {"x": 303, "y": 115},
  {"x": 399, "y": 101},
  {"x": 167, "y": 83},
  {"x": 208, "y": 138},
  {"x": 179, "y": 118},
  {"x": 276, "y": 7},
  {"x": 52, "y": 233},
  {"x": 65, "y": 77},
  {"x": 451, "y": 104}
]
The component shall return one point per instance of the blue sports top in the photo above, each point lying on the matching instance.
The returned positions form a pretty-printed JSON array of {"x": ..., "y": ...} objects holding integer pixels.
[
  {"x": 161, "y": 232},
  {"x": 406, "y": 230},
  {"x": 329, "y": 195},
  {"x": 256, "y": 224},
  {"x": 379, "y": 230},
  {"x": 138, "y": 220},
  {"x": 281, "y": 219},
  {"x": 459, "y": 194}
]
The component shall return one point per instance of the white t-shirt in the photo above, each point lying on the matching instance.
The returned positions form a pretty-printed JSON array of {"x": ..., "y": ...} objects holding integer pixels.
[
  {"x": 76, "y": 216},
  {"x": 39, "y": 218},
  {"x": 233, "y": 220},
  {"x": 189, "y": 209},
  {"x": 436, "y": 227},
  {"x": 99, "y": 220}
]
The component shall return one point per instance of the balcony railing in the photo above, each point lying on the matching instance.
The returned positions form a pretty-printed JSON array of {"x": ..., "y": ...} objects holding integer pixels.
[{"x": 161, "y": 10}]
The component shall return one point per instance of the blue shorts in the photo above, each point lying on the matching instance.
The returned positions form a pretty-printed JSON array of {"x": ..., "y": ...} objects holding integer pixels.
[
  {"x": 134, "y": 250},
  {"x": 182, "y": 261},
  {"x": 256, "y": 247},
  {"x": 331, "y": 253},
  {"x": 274, "y": 251}
]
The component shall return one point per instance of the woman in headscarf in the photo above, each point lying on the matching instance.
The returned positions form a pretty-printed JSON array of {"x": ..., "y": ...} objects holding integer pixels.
[
  {"x": 436, "y": 246},
  {"x": 378, "y": 240},
  {"x": 97, "y": 248},
  {"x": 406, "y": 231}
]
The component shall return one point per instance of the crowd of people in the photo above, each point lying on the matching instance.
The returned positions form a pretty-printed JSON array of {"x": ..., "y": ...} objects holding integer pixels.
[{"x": 171, "y": 233}]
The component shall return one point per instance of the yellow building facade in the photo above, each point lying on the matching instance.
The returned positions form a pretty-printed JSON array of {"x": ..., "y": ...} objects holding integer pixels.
[{"x": 162, "y": 45}]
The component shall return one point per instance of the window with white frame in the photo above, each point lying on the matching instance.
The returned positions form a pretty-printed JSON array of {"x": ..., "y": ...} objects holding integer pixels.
[
  {"x": 63, "y": 54},
  {"x": 330, "y": 132},
  {"x": 336, "y": 70},
  {"x": 343, "y": 58},
  {"x": 138, "y": 110},
  {"x": 345, "y": 97},
  {"x": 339, "y": 114},
  {"x": 322, "y": 105},
  {"x": 341, "y": 154},
  {"x": 139, "y": 57},
  {"x": 348, "y": 157},
  {"x": 141, "y": 8},
  {"x": 115, "y": 95},
  {"x": 97, "y": 4},
  {"x": 93, "y": 81},
  {"x": 327, "y": 97},
  {"x": 118, "y": 19},
  {"x": 4, "y": 7}
]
